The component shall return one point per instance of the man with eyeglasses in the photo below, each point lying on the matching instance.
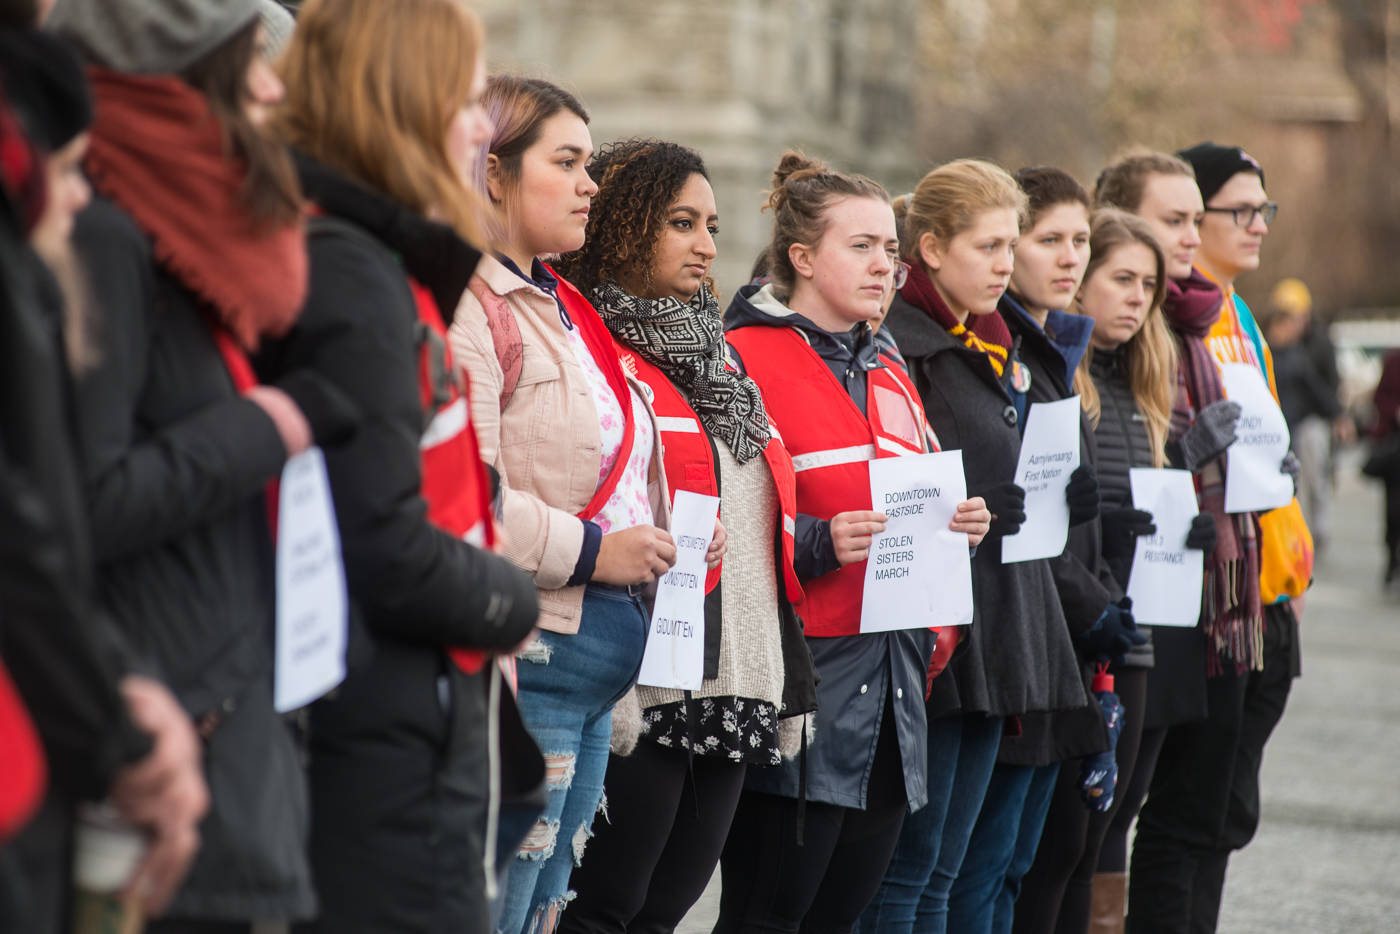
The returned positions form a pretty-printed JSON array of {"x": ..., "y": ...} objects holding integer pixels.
[{"x": 1204, "y": 797}]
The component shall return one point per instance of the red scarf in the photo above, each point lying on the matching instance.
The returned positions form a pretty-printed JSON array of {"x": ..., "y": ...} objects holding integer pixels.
[
  {"x": 988, "y": 334},
  {"x": 158, "y": 151}
]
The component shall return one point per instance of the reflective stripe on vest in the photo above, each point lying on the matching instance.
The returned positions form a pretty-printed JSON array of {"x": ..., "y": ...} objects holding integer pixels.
[
  {"x": 448, "y": 423},
  {"x": 832, "y": 457},
  {"x": 688, "y": 426}
]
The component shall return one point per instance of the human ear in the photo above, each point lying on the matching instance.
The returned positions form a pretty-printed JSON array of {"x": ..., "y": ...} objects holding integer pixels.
[
  {"x": 494, "y": 185},
  {"x": 800, "y": 255},
  {"x": 930, "y": 251}
]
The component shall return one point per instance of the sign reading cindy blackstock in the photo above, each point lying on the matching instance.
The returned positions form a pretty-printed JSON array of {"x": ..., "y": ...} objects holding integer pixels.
[
  {"x": 675, "y": 653},
  {"x": 919, "y": 572},
  {"x": 1049, "y": 454},
  {"x": 1254, "y": 480}
]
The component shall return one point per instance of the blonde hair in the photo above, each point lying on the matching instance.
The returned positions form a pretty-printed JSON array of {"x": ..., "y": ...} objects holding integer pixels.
[
  {"x": 948, "y": 200},
  {"x": 372, "y": 88},
  {"x": 1149, "y": 355},
  {"x": 803, "y": 189}
]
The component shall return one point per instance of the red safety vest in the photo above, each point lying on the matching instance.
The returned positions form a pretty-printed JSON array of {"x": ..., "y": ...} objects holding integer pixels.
[
  {"x": 455, "y": 483},
  {"x": 22, "y": 769},
  {"x": 831, "y": 444},
  {"x": 690, "y": 464}
]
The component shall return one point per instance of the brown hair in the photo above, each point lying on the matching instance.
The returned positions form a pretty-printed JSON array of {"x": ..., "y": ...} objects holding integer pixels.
[
  {"x": 1047, "y": 187},
  {"x": 1149, "y": 355},
  {"x": 637, "y": 181},
  {"x": 372, "y": 88},
  {"x": 270, "y": 187},
  {"x": 803, "y": 189},
  {"x": 517, "y": 107},
  {"x": 948, "y": 200},
  {"x": 1122, "y": 182}
]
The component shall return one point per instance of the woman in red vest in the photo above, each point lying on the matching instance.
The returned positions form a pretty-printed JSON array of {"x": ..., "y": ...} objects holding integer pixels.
[
  {"x": 583, "y": 486},
  {"x": 812, "y": 837},
  {"x": 645, "y": 266},
  {"x": 384, "y": 106}
]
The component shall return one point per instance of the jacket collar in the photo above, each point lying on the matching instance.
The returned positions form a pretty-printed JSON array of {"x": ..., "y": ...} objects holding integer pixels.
[
  {"x": 1067, "y": 335},
  {"x": 759, "y": 305},
  {"x": 432, "y": 253}
]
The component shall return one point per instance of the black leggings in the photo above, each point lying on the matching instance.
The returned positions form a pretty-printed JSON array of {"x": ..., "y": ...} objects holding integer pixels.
[
  {"x": 771, "y": 884},
  {"x": 1055, "y": 892},
  {"x": 654, "y": 852},
  {"x": 1204, "y": 798}
]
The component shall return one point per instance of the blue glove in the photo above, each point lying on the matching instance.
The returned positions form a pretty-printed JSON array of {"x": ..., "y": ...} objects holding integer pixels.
[
  {"x": 1113, "y": 633},
  {"x": 1098, "y": 774}
]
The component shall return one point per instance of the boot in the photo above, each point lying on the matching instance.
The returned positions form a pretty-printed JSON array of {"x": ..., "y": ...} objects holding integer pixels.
[{"x": 1108, "y": 903}]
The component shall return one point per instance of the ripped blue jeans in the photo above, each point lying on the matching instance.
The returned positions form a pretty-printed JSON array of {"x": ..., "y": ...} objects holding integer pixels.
[{"x": 568, "y": 685}]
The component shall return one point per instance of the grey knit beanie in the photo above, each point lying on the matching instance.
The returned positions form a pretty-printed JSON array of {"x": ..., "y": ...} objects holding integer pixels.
[
  {"x": 277, "y": 26},
  {"x": 151, "y": 37}
]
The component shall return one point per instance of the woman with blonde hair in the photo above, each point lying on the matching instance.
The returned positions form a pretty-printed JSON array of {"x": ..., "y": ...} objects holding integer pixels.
[
  {"x": 962, "y": 228},
  {"x": 384, "y": 110}
]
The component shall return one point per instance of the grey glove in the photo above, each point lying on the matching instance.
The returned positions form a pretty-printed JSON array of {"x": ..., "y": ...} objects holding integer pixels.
[
  {"x": 1210, "y": 434},
  {"x": 1292, "y": 467}
]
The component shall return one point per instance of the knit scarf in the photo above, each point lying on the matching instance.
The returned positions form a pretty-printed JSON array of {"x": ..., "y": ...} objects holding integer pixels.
[
  {"x": 1232, "y": 615},
  {"x": 686, "y": 342},
  {"x": 158, "y": 151},
  {"x": 988, "y": 335}
]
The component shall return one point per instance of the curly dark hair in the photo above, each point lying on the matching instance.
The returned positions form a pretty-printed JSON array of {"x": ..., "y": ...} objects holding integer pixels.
[{"x": 637, "y": 181}]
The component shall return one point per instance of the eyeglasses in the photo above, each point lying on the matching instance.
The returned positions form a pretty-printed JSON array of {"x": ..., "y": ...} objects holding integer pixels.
[
  {"x": 1244, "y": 216},
  {"x": 901, "y": 274}
]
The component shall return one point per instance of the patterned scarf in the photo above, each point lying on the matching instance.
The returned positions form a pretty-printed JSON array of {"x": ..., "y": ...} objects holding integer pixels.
[
  {"x": 988, "y": 335},
  {"x": 1232, "y": 615},
  {"x": 686, "y": 342}
]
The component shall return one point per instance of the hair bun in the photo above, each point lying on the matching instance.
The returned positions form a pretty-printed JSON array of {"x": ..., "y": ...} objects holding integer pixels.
[{"x": 792, "y": 167}]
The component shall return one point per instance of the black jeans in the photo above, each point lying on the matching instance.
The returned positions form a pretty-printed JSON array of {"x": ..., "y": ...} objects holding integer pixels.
[
  {"x": 771, "y": 884},
  {"x": 1204, "y": 797},
  {"x": 657, "y": 844},
  {"x": 1392, "y": 527},
  {"x": 1055, "y": 892}
]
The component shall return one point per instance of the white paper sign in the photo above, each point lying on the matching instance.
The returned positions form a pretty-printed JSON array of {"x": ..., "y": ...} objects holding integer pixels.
[
  {"x": 919, "y": 573},
  {"x": 1049, "y": 454},
  {"x": 1167, "y": 576},
  {"x": 675, "y": 653},
  {"x": 1253, "y": 481},
  {"x": 311, "y": 601}
]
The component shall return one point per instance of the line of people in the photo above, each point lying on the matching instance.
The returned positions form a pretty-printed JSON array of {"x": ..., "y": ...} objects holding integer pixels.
[{"x": 341, "y": 234}]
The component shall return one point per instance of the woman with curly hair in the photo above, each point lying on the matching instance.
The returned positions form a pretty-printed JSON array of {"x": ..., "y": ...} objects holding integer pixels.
[{"x": 645, "y": 266}]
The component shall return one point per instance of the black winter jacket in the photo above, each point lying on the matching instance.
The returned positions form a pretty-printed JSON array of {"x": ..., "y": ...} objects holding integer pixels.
[
  {"x": 858, "y": 676},
  {"x": 1018, "y": 657},
  {"x": 1175, "y": 689},
  {"x": 1082, "y": 577},
  {"x": 399, "y": 751},
  {"x": 177, "y": 463},
  {"x": 62, "y": 652}
]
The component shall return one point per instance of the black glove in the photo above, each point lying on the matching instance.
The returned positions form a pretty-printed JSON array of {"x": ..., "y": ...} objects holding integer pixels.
[
  {"x": 1113, "y": 634},
  {"x": 1007, "y": 503},
  {"x": 1082, "y": 494},
  {"x": 1210, "y": 434},
  {"x": 1122, "y": 528},
  {"x": 1203, "y": 534},
  {"x": 330, "y": 412},
  {"x": 1292, "y": 467}
]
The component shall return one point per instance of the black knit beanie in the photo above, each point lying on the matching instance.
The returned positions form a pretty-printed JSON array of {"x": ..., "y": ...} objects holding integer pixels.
[
  {"x": 45, "y": 85},
  {"x": 1216, "y": 165}
]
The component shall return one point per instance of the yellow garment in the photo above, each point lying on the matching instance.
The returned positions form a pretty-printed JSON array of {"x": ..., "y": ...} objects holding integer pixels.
[{"x": 1285, "y": 544}]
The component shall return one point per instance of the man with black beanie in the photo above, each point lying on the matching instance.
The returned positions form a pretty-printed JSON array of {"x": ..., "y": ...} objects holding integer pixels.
[{"x": 1204, "y": 797}]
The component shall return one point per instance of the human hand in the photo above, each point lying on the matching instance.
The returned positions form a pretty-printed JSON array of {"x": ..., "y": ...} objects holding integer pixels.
[
  {"x": 1007, "y": 503},
  {"x": 1213, "y": 431},
  {"x": 164, "y": 793},
  {"x": 851, "y": 533},
  {"x": 1203, "y": 534},
  {"x": 638, "y": 555},
  {"x": 719, "y": 544},
  {"x": 1082, "y": 494},
  {"x": 1123, "y": 527},
  {"x": 973, "y": 518}
]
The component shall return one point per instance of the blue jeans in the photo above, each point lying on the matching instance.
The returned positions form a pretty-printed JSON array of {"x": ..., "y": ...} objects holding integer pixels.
[
  {"x": 568, "y": 685},
  {"x": 962, "y": 750},
  {"x": 1002, "y": 848}
]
